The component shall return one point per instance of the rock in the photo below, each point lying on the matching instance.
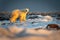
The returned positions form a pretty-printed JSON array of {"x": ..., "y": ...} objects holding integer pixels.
[
  {"x": 38, "y": 28},
  {"x": 3, "y": 24},
  {"x": 53, "y": 26}
]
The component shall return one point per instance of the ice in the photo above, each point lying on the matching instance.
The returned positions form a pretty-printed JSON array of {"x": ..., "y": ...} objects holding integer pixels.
[{"x": 42, "y": 22}]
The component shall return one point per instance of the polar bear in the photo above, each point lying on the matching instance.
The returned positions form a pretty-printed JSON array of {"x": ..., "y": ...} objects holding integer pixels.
[{"x": 19, "y": 13}]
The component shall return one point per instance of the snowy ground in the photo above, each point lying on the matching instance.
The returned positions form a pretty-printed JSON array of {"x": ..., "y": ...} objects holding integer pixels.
[{"x": 26, "y": 31}]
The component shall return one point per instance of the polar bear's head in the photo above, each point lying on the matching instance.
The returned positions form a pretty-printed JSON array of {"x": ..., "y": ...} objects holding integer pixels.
[{"x": 26, "y": 10}]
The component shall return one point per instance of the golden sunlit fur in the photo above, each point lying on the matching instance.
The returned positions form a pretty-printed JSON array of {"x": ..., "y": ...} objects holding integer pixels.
[
  {"x": 19, "y": 13},
  {"x": 15, "y": 15}
]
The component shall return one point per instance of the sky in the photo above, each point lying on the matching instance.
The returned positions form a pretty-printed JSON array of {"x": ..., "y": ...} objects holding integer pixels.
[{"x": 33, "y": 5}]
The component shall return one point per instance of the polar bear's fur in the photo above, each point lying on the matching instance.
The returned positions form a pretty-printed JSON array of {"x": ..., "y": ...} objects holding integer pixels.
[
  {"x": 19, "y": 13},
  {"x": 15, "y": 15}
]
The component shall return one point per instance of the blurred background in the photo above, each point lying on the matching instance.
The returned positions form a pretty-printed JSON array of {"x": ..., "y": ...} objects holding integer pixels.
[
  {"x": 34, "y": 5},
  {"x": 43, "y": 7}
]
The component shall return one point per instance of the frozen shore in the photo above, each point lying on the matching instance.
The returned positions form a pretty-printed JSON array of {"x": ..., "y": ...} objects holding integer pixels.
[{"x": 32, "y": 34}]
